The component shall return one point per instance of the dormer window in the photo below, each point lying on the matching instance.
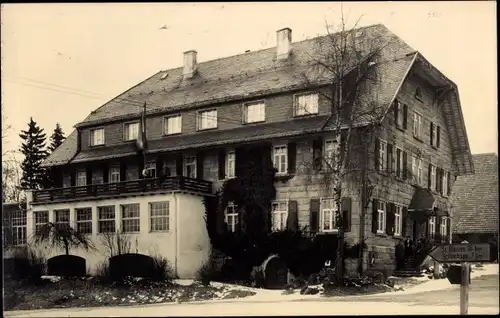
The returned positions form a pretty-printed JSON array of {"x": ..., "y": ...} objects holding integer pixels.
[
  {"x": 97, "y": 137},
  {"x": 418, "y": 94},
  {"x": 207, "y": 119},
  {"x": 306, "y": 104},
  {"x": 130, "y": 131}
]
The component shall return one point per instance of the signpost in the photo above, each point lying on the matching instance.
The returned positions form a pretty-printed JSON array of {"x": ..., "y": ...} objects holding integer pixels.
[{"x": 463, "y": 253}]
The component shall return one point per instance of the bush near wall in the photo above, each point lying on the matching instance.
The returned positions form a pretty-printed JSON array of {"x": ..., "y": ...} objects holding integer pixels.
[
  {"x": 67, "y": 266},
  {"x": 155, "y": 268},
  {"x": 24, "y": 264}
]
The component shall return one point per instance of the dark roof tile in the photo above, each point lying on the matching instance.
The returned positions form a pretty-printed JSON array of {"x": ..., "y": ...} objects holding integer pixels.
[{"x": 475, "y": 197}]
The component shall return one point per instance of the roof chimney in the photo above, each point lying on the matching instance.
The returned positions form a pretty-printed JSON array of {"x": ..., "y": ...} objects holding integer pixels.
[
  {"x": 284, "y": 45},
  {"x": 190, "y": 64}
]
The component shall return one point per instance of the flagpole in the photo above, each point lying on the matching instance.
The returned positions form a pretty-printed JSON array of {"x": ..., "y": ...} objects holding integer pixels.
[{"x": 144, "y": 133}]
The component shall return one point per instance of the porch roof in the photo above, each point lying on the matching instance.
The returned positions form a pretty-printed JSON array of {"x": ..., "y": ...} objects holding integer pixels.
[{"x": 424, "y": 205}]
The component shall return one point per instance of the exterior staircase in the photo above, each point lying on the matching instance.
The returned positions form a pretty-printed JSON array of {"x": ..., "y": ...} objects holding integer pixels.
[{"x": 408, "y": 269}]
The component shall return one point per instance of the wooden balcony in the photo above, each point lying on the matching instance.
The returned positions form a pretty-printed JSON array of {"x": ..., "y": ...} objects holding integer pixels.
[{"x": 123, "y": 188}]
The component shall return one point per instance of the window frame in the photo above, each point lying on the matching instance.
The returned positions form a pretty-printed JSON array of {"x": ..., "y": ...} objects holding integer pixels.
[
  {"x": 126, "y": 131},
  {"x": 433, "y": 174},
  {"x": 285, "y": 154},
  {"x": 381, "y": 221},
  {"x": 416, "y": 162},
  {"x": 444, "y": 189},
  {"x": 280, "y": 213},
  {"x": 443, "y": 228},
  {"x": 418, "y": 118},
  {"x": 129, "y": 220},
  {"x": 114, "y": 171},
  {"x": 19, "y": 229},
  {"x": 233, "y": 215},
  {"x": 382, "y": 156},
  {"x": 150, "y": 166},
  {"x": 152, "y": 217},
  {"x": 296, "y": 104},
  {"x": 398, "y": 220},
  {"x": 400, "y": 110},
  {"x": 185, "y": 164},
  {"x": 83, "y": 221},
  {"x": 333, "y": 215},
  {"x": 400, "y": 160},
  {"x": 230, "y": 173},
  {"x": 81, "y": 175},
  {"x": 166, "y": 125},
  {"x": 199, "y": 119},
  {"x": 418, "y": 94},
  {"x": 57, "y": 215},
  {"x": 432, "y": 226},
  {"x": 335, "y": 151},
  {"x": 434, "y": 129},
  {"x": 37, "y": 217},
  {"x": 91, "y": 137},
  {"x": 246, "y": 114},
  {"x": 100, "y": 220}
]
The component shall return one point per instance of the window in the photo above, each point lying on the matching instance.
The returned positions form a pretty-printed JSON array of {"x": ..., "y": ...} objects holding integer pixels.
[
  {"x": 399, "y": 163},
  {"x": 433, "y": 177},
  {"x": 434, "y": 139},
  {"x": 231, "y": 217},
  {"x": 207, "y": 119},
  {"x": 230, "y": 164},
  {"x": 432, "y": 226},
  {"x": 106, "y": 215},
  {"x": 150, "y": 168},
  {"x": 173, "y": 125},
  {"x": 84, "y": 220},
  {"x": 61, "y": 217},
  {"x": 159, "y": 216},
  {"x": 381, "y": 217},
  {"x": 443, "y": 228},
  {"x": 279, "y": 213},
  {"x": 66, "y": 180},
  {"x": 398, "y": 221},
  {"x": 131, "y": 131},
  {"x": 418, "y": 94},
  {"x": 445, "y": 183},
  {"x": 114, "y": 175},
  {"x": 190, "y": 167},
  {"x": 417, "y": 125},
  {"x": 417, "y": 169},
  {"x": 331, "y": 151},
  {"x": 382, "y": 156},
  {"x": 169, "y": 168},
  {"x": 306, "y": 104},
  {"x": 401, "y": 113},
  {"x": 130, "y": 218},
  {"x": 255, "y": 112},
  {"x": 97, "y": 137},
  {"x": 81, "y": 178},
  {"x": 19, "y": 235},
  {"x": 328, "y": 215},
  {"x": 280, "y": 159},
  {"x": 41, "y": 218},
  {"x": 97, "y": 177}
]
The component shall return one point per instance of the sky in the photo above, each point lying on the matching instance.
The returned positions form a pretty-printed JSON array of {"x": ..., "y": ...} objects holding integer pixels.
[{"x": 61, "y": 61}]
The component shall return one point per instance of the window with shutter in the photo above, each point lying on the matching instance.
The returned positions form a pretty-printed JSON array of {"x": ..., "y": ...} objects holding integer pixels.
[
  {"x": 346, "y": 213},
  {"x": 279, "y": 213},
  {"x": 398, "y": 220},
  {"x": 280, "y": 159},
  {"x": 381, "y": 217},
  {"x": 328, "y": 215},
  {"x": 230, "y": 164},
  {"x": 314, "y": 207}
]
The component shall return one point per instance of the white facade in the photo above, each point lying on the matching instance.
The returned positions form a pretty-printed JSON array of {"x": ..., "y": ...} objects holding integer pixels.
[{"x": 185, "y": 243}]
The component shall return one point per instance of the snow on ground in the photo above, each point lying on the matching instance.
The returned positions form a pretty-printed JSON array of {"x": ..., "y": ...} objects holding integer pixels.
[{"x": 236, "y": 308}]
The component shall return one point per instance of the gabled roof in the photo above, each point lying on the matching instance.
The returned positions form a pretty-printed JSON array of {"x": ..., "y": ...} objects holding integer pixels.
[
  {"x": 233, "y": 78},
  {"x": 64, "y": 153},
  {"x": 475, "y": 197}
]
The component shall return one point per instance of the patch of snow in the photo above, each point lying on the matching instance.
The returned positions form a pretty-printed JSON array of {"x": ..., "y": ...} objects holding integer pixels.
[
  {"x": 51, "y": 278},
  {"x": 184, "y": 282}
]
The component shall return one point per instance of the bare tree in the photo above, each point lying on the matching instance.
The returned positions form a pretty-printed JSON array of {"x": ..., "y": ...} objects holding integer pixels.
[
  {"x": 11, "y": 180},
  {"x": 343, "y": 66},
  {"x": 116, "y": 243},
  {"x": 6, "y": 128}
]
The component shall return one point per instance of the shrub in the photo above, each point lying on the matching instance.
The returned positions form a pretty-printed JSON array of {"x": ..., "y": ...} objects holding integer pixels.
[
  {"x": 102, "y": 270},
  {"x": 25, "y": 264},
  {"x": 206, "y": 273},
  {"x": 162, "y": 270}
]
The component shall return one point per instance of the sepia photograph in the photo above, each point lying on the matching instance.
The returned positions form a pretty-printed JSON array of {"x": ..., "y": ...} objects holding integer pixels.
[{"x": 249, "y": 158}]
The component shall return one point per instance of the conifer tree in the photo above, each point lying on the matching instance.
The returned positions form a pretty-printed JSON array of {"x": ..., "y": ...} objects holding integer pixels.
[
  {"x": 56, "y": 139},
  {"x": 33, "y": 149}
]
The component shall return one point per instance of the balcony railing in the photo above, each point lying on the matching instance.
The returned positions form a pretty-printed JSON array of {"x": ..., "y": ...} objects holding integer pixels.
[{"x": 124, "y": 187}]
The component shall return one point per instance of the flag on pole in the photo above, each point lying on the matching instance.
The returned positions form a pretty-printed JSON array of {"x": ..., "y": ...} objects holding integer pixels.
[{"x": 141, "y": 136}]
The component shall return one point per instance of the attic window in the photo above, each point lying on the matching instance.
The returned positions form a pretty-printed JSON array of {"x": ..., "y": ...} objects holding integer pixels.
[
  {"x": 164, "y": 76},
  {"x": 418, "y": 94}
]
